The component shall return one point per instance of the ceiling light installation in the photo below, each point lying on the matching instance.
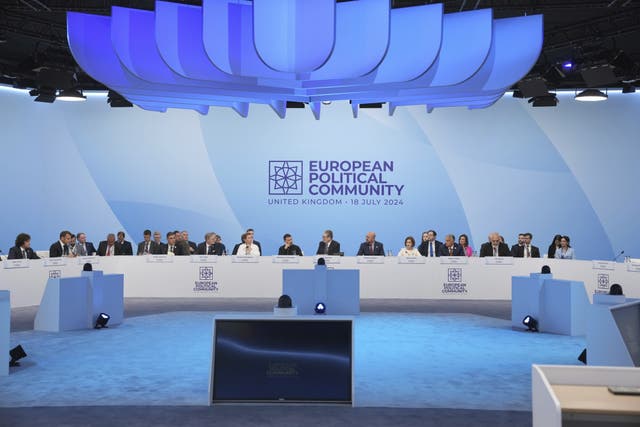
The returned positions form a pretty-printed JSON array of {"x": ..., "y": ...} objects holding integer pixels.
[
  {"x": 591, "y": 95},
  {"x": 232, "y": 53}
]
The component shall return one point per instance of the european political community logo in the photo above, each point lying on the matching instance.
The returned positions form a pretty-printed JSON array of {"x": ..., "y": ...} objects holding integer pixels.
[{"x": 285, "y": 177}]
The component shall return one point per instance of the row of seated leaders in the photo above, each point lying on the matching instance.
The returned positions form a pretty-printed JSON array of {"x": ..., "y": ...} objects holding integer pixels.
[{"x": 178, "y": 243}]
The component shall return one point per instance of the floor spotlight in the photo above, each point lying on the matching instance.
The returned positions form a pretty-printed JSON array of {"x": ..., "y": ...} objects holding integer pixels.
[
  {"x": 530, "y": 323},
  {"x": 16, "y": 354},
  {"x": 102, "y": 320},
  {"x": 320, "y": 308},
  {"x": 583, "y": 356}
]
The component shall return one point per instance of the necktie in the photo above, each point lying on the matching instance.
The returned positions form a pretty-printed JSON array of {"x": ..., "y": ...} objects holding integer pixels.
[
  {"x": 527, "y": 254},
  {"x": 326, "y": 248},
  {"x": 65, "y": 250},
  {"x": 495, "y": 251},
  {"x": 430, "y": 249},
  {"x": 171, "y": 248},
  {"x": 146, "y": 248},
  {"x": 371, "y": 249},
  {"x": 450, "y": 250},
  {"x": 83, "y": 250},
  {"x": 24, "y": 254},
  {"x": 109, "y": 250},
  {"x": 210, "y": 250}
]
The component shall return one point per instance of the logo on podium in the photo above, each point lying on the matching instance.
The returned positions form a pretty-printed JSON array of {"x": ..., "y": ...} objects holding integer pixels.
[
  {"x": 206, "y": 273},
  {"x": 205, "y": 282},
  {"x": 285, "y": 177},
  {"x": 55, "y": 274},
  {"x": 455, "y": 275}
]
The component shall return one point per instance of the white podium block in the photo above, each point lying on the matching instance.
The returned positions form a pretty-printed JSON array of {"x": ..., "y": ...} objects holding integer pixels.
[
  {"x": 5, "y": 331},
  {"x": 563, "y": 307},
  {"x": 605, "y": 345},
  {"x": 108, "y": 295},
  {"x": 66, "y": 305}
]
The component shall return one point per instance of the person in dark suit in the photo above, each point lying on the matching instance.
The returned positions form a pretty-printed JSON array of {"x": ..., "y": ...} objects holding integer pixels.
[
  {"x": 527, "y": 250},
  {"x": 210, "y": 246},
  {"x": 193, "y": 248},
  {"x": 61, "y": 247},
  {"x": 494, "y": 247},
  {"x": 430, "y": 247},
  {"x": 289, "y": 248},
  {"x": 172, "y": 247},
  {"x": 84, "y": 248},
  {"x": 123, "y": 247},
  {"x": 450, "y": 247},
  {"x": 147, "y": 246},
  {"x": 370, "y": 247},
  {"x": 514, "y": 248},
  {"x": 328, "y": 246},
  {"x": 107, "y": 247},
  {"x": 22, "y": 249}
]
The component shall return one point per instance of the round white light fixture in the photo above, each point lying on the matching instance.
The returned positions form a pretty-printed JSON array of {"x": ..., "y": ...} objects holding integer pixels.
[
  {"x": 71, "y": 95},
  {"x": 591, "y": 95}
]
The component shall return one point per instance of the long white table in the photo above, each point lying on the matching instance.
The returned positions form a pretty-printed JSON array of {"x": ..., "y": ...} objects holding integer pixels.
[{"x": 227, "y": 278}]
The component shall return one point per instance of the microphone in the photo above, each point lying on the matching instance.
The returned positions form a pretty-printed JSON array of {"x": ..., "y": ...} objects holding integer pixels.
[{"x": 618, "y": 256}]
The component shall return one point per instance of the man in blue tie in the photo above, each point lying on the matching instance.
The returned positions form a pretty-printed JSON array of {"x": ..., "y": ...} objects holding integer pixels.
[{"x": 430, "y": 247}]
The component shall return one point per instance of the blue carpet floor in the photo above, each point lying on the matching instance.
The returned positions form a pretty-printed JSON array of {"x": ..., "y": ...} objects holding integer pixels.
[{"x": 405, "y": 360}]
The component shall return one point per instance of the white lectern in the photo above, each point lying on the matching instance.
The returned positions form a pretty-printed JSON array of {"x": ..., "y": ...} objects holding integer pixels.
[{"x": 66, "y": 305}]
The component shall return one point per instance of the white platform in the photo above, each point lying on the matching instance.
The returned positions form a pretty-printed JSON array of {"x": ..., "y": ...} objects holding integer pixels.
[
  {"x": 5, "y": 331},
  {"x": 225, "y": 279},
  {"x": 66, "y": 305}
]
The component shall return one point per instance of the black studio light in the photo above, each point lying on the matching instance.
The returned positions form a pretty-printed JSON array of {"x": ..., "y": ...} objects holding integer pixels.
[
  {"x": 102, "y": 320},
  {"x": 320, "y": 308},
  {"x": 16, "y": 354},
  {"x": 530, "y": 323}
]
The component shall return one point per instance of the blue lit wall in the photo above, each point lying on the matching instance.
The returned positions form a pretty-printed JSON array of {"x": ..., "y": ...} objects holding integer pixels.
[{"x": 510, "y": 168}]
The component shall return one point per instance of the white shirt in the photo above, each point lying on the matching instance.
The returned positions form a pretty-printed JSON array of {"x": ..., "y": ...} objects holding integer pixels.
[
  {"x": 408, "y": 252},
  {"x": 110, "y": 250},
  {"x": 526, "y": 248},
  {"x": 254, "y": 250}
]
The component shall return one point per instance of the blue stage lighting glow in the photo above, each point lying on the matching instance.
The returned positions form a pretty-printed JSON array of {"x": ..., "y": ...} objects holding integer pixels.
[{"x": 233, "y": 53}]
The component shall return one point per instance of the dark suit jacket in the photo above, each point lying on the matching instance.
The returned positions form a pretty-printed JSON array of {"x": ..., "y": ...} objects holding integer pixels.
[
  {"x": 424, "y": 248},
  {"x": 365, "y": 249},
  {"x": 55, "y": 250},
  {"x": 178, "y": 249},
  {"x": 334, "y": 248},
  {"x": 235, "y": 248},
  {"x": 154, "y": 248},
  {"x": 16, "y": 253},
  {"x": 102, "y": 248},
  {"x": 123, "y": 248},
  {"x": 218, "y": 249},
  {"x": 518, "y": 252},
  {"x": 89, "y": 246},
  {"x": 487, "y": 250},
  {"x": 291, "y": 250},
  {"x": 457, "y": 250},
  {"x": 193, "y": 246}
]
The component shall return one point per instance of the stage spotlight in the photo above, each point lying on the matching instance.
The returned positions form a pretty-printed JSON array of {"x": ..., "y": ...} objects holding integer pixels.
[
  {"x": 517, "y": 94},
  {"x": 530, "y": 323},
  {"x": 71, "y": 95},
  {"x": 44, "y": 95},
  {"x": 591, "y": 95},
  {"x": 16, "y": 354},
  {"x": 583, "y": 356},
  {"x": 320, "y": 308},
  {"x": 115, "y": 100},
  {"x": 102, "y": 320},
  {"x": 628, "y": 88},
  {"x": 548, "y": 100}
]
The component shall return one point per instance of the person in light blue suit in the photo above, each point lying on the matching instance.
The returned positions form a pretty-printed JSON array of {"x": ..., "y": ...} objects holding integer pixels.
[{"x": 565, "y": 251}]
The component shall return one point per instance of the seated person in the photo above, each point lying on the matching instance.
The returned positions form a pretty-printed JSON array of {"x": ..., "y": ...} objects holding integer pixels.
[
  {"x": 84, "y": 248},
  {"x": 450, "y": 247},
  {"x": 22, "y": 249},
  {"x": 289, "y": 248},
  {"x": 61, "y": 247},
  {"x": 123, "y": 247},
  {"x": 526, "y": 250},
  {"x": 409, "y": 247},
  {"x": 248, "y": 248},
  {"x": 108, "y": 247},
  {"x": 494, "y": 247},
  {"x": 328, "y": 246},
  {"x": 210, "y": 246},
  {"x": 370, "y": 247},
  {"x": 147, "y": 246},
  {"x": 565, "y": 251},
  {"x": 463, "y": 241},
  {"x": 193, "y": 248},
  {"x": 430, "y": 247}
]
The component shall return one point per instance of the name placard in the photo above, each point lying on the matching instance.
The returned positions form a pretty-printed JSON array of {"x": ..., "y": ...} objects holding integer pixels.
[
  {"x": 54, "y": 262},
  {"x": 245, "y": 259},
  {"x": 412, "y": 260},
  {"x": 633, "y": 266},
  {"x": 370, "y": 259},
  {"x": 329, "y": 259},
  {"x": 604, "y": 265},
  {"x": 454, "y": 260},
  {"x": 204, "y": 259},
  {"x": 160, "y": 258},
  {"x": 17, "y": 263},
  {"x": 498, "y": 260},
  {"x": 88, "y": 259},
  {"x": 286, "y": 259}
]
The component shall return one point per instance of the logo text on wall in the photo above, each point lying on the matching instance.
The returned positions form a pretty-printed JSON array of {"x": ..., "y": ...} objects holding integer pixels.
[{"x": 323, "y": 182}]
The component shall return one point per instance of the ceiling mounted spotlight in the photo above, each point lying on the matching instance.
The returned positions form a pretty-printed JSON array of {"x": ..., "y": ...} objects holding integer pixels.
[
  {"x": 591, "y": 95},
  {"x": 71, "y": 95},
  {"x": 548, "y": 100},
  {"x": 628, "y": 88},
  {"x": 517, "y": 94}
]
